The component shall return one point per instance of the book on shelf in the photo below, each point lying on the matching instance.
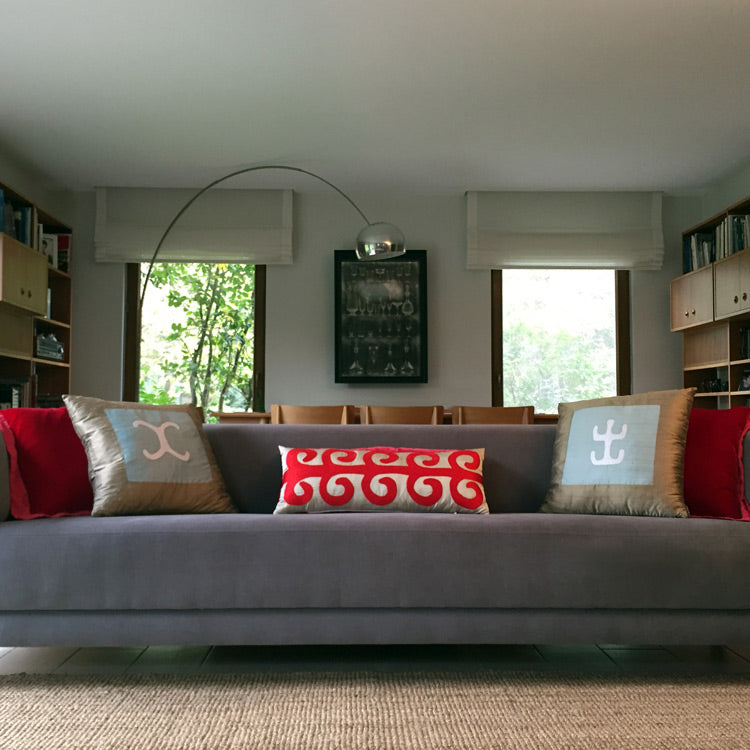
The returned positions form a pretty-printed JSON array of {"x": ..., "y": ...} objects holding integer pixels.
[
  {"x": 733, "y": 235},
  {"x": 64, "y": 242},
  {"x": 699, "y": 249},
  {"x": 49, "y": 400},
  {"x": 48, "y": 247},
  {"x": 8, "y": 219},
  {"x": 14, "y": 392},
  {"x": 56, "y": 246},
  {"x": 24, "y": 218},
  {"x": 745, "y": 342},
  {"x": 730, "y": 236}
]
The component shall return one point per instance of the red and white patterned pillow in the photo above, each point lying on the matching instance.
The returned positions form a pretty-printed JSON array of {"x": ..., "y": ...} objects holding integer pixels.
[{"x": 317, "y": 480}]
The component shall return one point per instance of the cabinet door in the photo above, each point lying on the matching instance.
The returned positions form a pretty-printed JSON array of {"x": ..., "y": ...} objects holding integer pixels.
[
  {"x": 732, "y": 281},
  {"x": 692, "y": 299},
  {"x": 744, "y": 291},
  {"x": 24, "y": 276}
]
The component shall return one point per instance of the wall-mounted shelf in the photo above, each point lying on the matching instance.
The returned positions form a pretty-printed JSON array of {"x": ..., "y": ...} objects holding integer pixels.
[
  {"x": 718, "y": 237},
  {"x": 35, "y": 300},
  {"x": 711, "y": 307}
]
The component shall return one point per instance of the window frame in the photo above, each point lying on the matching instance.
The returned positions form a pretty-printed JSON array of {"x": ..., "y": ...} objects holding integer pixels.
[
  {"x": 132, "y": 338},
  {"x": 622, "y": 334}
]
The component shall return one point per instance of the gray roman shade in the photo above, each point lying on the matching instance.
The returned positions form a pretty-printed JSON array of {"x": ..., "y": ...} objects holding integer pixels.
[
  {"x": 222, "y": 226},
  {"x": 618, "y": 230}
]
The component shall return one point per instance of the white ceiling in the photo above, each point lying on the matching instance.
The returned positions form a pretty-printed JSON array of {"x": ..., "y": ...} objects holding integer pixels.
[{"x": 423, "y": 95}]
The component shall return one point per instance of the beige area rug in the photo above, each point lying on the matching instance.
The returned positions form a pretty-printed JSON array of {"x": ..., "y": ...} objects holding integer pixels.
[{"x": 338, "y": 711}]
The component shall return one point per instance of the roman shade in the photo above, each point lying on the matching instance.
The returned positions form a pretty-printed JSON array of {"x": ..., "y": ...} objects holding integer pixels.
[
  {"x": 222, "y": 226},
  {"x": 618, "y": 230}
]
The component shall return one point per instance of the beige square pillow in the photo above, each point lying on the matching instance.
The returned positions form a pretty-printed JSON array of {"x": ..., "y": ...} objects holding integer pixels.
[
  {"x": 621, "y": 456},
  {"x": 147, "y": 459}
]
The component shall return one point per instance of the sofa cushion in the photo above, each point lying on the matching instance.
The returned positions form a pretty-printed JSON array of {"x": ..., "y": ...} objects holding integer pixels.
[
  {"x": 47, "y": 464},
  {"x": 517, "y": 458},
  {"x": 714, "y": 471},
  {"x": 621, "y": 455},
  {"x": 387, "y": 560},
  {"x": 318, "y": 480},
  {"x": 147, "y": 459}
]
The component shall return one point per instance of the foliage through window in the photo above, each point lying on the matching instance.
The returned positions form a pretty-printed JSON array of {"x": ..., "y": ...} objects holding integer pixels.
[
  {"x": 559, "y": 336},
  {"x": 197, "y": 331}
]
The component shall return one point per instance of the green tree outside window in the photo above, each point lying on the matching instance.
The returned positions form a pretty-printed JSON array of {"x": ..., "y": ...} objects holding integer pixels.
[{"x": 197, "y": 336}]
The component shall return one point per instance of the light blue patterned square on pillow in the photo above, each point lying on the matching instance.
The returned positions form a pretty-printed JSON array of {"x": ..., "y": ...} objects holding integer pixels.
[
  {"x": 160, "y": 446},
  {"x": 612, "y": 445}
]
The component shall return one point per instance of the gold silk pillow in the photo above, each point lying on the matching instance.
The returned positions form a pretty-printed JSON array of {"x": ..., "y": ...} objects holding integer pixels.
[
  {"x": 621, "y": 456},
  {"x": 146, "y": 459}
]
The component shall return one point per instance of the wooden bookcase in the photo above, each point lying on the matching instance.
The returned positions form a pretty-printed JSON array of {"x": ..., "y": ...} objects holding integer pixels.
[
  {"x": 710, "y": 306},
  {"x": 35, "y": 304},
  {"x": 714, "y": 360},
  {"x": 718, "y": 237}
]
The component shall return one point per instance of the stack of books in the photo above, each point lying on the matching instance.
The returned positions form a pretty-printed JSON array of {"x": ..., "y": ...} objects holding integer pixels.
[
  {"x": 707, "y": 246},
  {"x": 14, "y": 392}
]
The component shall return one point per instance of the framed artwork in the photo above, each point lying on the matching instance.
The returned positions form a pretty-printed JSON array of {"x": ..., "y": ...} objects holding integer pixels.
[{"x": 381, "y": 318}]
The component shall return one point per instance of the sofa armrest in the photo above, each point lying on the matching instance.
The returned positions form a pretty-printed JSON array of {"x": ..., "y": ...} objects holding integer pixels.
[{"x": 4, "y": 481}]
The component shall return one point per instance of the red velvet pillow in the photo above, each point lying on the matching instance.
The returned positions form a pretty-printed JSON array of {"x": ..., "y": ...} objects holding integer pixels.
[
  {"x": 48, "y": 465},
  {"x": 714, "y": 475}
]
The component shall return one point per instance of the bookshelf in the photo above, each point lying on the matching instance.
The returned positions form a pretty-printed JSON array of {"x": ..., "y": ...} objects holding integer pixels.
[
  {"x": 710, "y": 306},
  {"x": 718, "y": 237},
  {"x": 715, "y": 360},
  {"x": 35, "y": 303}
]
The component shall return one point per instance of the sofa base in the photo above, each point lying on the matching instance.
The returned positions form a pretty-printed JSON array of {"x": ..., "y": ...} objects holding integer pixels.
[{"x": 373, "y": 626}]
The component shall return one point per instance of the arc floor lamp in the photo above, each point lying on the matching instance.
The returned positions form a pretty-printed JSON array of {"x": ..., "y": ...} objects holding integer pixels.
[{"x": 376, "y": 241}]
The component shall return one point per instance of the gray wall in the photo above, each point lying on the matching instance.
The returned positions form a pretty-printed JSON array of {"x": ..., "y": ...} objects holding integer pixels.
[
  {"x": 731, "y": 188},
  {"x": 656, "y": 351},
  {"x": 300, "y": 349},
  {"x": 98, "y": 312},
  {"x": 300, "y": 297},
  {"x": 37, "y": 187}
]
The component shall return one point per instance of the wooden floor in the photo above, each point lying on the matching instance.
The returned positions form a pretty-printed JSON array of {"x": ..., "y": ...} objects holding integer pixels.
[{"x": 608, "y": 659}]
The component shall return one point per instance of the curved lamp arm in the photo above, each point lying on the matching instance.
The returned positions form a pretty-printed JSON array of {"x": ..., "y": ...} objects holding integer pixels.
[{"x": 375, "y": 242}]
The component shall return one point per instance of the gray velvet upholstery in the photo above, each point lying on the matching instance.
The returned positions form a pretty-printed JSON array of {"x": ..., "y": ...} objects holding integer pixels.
[
  {"x": 353, "y": 560},
  {"x": 253, "y": 577},
  {"x": 4, "y": 488},
  {"x": 517, "y": 460},
  {"x": 373, "y": 626}
]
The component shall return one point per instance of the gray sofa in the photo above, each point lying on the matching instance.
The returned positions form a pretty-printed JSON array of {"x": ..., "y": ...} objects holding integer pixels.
[{"x": 515, "y": 576}]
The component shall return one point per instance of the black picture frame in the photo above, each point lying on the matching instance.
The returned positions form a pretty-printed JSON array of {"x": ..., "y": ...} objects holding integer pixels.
[{"x": 380, "y": 318}]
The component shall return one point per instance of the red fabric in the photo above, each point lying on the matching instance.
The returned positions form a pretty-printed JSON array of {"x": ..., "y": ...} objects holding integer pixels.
[
  {"x": 48, "y": 465},
  {"x": 714, "y": 475},
  {"x": 383, "y": 477}
]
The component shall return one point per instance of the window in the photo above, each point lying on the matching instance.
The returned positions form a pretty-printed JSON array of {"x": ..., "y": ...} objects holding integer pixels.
[
  {"x": 200, "y": 338},
  {"x": 559, "y": 335}
]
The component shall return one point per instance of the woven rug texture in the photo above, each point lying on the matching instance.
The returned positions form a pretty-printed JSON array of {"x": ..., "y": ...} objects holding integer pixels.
[{"x": 338, "y": 711}]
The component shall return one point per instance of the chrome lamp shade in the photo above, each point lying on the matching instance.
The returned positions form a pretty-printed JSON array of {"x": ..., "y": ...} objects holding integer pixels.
[{"x": 380, "y": 241}]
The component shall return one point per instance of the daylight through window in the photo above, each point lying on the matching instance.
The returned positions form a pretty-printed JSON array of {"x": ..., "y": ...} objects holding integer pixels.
[
  {"x": 197, "y": 331},
  {"x": 559, "y": 336}
]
